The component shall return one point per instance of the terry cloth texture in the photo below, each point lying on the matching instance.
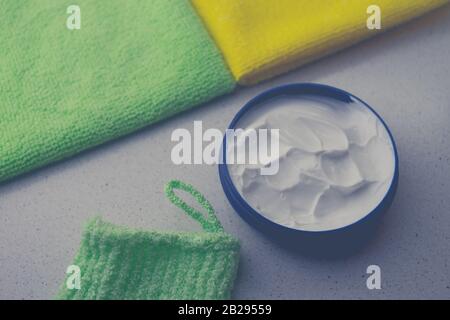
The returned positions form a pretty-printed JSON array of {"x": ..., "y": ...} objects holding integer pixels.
[
  {"x": 119, "y": 263},
  {"x": 264, "y": 38},
  {"x": 131, "y": 64}
]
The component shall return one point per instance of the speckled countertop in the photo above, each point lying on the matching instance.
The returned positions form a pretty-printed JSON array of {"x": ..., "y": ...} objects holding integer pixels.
[{"x": 404, "y": 75}]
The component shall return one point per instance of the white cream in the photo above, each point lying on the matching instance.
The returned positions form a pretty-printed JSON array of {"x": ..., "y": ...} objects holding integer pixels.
[{"x": 336, "y": 163}]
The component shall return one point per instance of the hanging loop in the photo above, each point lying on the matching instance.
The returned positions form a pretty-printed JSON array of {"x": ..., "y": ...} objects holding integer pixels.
[{"x": 210, "y": 223}]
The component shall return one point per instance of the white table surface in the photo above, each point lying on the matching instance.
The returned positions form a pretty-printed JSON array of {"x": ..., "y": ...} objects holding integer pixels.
[{"x": 404, "y": 74}]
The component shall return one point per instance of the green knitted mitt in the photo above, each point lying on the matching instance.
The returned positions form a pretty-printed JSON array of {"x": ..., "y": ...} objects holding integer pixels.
[{"x": 119, "y": 263}]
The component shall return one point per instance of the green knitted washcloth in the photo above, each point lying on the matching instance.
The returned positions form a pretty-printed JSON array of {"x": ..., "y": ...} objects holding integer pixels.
[
  {"x": 119, "y": 263},
  {"x": 131, "y": 64}
]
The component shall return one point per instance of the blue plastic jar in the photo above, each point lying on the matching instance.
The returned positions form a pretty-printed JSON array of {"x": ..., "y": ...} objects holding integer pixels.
[{"x": 334, "y": 240}]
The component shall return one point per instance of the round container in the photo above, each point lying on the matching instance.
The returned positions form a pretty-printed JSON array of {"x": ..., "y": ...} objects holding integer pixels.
[{"x": 345, "y": 236}]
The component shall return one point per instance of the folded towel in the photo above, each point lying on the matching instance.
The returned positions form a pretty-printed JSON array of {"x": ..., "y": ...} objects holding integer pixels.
[
  {"x": 119, "y": 263},
  {"x": 264, "y": 38},
  {"x": 131, "y": 64}
]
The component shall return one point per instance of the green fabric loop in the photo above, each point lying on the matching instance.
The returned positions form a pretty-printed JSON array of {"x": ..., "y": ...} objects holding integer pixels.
[{"x": 210, "y": 223}]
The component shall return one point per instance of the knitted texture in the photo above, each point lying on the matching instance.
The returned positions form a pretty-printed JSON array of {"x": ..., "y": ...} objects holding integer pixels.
[
  {"x": 131, "y": 64},
  {"x": 210, "y": 222},
  {"x": 120, "y": 263},
  {"x": 263, "y": 38}
]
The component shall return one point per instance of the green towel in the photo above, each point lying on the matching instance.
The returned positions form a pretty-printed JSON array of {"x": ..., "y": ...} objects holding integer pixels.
[
  {"x": 131, "y": 64},
  {"x": 119, "y": 263}
]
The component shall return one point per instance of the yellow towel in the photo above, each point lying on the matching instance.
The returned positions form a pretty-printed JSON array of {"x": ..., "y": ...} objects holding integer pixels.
[{"x": 263, "y": 38}]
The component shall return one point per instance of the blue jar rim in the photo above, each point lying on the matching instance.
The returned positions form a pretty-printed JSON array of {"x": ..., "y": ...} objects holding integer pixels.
[{"x": 235, "y": 198}]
